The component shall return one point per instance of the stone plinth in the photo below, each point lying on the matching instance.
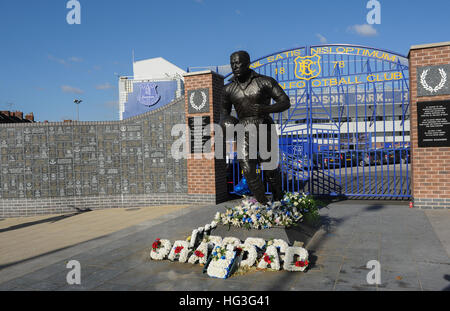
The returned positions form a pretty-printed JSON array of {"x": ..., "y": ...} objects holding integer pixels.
[{"x": 301, "y": 233}]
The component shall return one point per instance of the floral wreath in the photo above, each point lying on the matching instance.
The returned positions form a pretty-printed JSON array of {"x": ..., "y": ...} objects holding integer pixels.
[
  {"x": 200, "y": 254},
  {"x": 270, "y": 258},
  {"x": 180, "y": 250},
  {"x": 298, "y": 265},
  {"x": 441, "y": 84},
  {"x": 160, "y": 249},
  {"x": 252, "y": 254},
  {"x": 221, "y": 262}
]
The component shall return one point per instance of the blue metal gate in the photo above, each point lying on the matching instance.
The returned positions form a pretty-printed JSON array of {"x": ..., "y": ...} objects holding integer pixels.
[{"x": 347, "y": 131}]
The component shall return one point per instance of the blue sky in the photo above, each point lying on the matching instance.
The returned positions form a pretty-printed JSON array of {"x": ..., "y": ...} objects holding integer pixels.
[{"x": 46, "y": 63}]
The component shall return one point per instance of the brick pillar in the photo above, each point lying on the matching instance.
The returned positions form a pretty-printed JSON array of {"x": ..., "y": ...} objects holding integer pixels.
[
  {"x": 203, "y": 95},
  {"x": 429, "y": 70}
]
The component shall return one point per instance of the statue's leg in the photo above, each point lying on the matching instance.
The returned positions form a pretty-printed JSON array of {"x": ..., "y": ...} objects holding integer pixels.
[
  {"x": 274, "y": 179},
  {"x": 273, "y": 176},
  {"x": 253, "y": 180},
  {"x": 248, "y": 165}
]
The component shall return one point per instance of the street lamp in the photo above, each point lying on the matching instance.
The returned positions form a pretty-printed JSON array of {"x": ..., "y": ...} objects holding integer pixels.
[{"x": 77, "y": 102}]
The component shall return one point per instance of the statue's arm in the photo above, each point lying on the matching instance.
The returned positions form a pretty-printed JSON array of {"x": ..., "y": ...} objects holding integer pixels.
[
  {"x": 226, "y": 104},
  {"x": 282, "y": 101},
  {"x": 225, "y": 110}
]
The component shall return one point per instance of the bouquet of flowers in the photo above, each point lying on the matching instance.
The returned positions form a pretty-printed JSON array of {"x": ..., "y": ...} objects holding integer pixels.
[
  {"x": 302, "y": 202},
  {"x": 251, "y": 214}
]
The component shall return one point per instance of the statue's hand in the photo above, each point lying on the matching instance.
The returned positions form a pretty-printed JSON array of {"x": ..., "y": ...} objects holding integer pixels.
[
  {"x": 228, "y": 121},
  {"x": 259, "y": 110}
]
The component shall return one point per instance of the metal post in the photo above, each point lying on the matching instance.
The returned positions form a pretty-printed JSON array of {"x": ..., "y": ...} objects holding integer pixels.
[{"x": 77, "y": 102}]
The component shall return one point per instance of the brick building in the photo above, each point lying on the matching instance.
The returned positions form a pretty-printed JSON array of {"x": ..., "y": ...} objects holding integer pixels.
[{"x": 15, "y": 117}]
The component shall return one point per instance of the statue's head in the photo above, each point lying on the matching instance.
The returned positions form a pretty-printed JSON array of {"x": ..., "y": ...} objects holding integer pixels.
[{"x": 240, "y": 63}]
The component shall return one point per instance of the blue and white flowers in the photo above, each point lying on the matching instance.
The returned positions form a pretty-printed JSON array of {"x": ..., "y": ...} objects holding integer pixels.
[
  {"x": 251, "y": 214},
  {"x": 221, "y": 263},
  {"x": 220, "y": 255}
]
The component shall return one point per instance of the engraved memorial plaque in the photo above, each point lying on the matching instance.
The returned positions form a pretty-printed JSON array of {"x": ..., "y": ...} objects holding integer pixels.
[
  {"x": 433, "y": 124},
  {"x": 197, "y": 140}
]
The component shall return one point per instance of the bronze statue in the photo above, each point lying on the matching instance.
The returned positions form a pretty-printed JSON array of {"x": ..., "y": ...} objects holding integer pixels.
[{"x": 250, "y": 93}]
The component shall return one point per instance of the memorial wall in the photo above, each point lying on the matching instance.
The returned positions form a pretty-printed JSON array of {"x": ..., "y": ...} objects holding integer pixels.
[{"x": 62, "y": 167}]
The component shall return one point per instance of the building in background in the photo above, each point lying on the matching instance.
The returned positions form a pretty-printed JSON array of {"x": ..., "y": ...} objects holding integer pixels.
[
  {"x": 15, "y": 117},
  {"x": 155, "y": 83}
]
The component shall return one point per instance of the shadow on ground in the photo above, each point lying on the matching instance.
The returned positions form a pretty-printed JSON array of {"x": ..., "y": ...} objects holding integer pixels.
[
  {"x": 43, "y": 221},
  {"x": 447, "y": 278},
  {"x": 48, "y": 253},
  {"x": 325, "y": 232}
]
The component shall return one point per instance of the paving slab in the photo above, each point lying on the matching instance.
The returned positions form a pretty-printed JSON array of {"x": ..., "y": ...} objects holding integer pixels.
[{"x": 440, "y": 220}]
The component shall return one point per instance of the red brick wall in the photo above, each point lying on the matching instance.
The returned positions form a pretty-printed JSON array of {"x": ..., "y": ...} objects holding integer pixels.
[
  {"x": 430, "y": 176},
  {"x": 206, "y": 176}
]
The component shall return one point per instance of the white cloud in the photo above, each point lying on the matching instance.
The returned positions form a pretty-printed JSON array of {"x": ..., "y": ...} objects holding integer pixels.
[
  {"x": 71, "y": 89},
  {"x": 61, "y": 61},
  {"x": 76, "y": 59},
  {"x": 364, "y": 30},
  {"x": 321, "y": 38},
  {"x": 105, "y": 86},
  {"x": 55, "y": 59}
]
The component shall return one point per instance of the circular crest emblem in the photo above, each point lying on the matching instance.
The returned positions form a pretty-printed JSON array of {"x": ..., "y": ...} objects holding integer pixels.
[
  {"x": 202, "y": 105},
  {"x": 441, "y": 84}
]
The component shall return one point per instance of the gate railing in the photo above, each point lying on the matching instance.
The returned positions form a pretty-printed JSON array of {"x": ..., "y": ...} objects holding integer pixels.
[{"x": 347, "y": 132}]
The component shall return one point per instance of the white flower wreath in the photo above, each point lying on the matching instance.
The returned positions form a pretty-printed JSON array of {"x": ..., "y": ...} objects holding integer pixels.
[
  {"x": 252, "y": 255},
  {"x": 282, "y": 246},
  {"x": 193, "y": 240},
  {"x": 161, "y": 252},
  {"x": 258, "y": 242},
  {"x": 203, "y": 248},
  {"x": 214, "y": 240},
  {"x": 272, "y": 253},
  {"x": 221, "y": 268},
  {"x": 230, "y": 242},
  {"x": 183, "y": 254},
  {"x": 289, "y": 263}
]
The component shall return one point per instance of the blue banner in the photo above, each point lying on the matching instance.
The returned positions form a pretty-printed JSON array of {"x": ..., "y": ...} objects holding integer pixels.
[{"x": 148, "y": 96}]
